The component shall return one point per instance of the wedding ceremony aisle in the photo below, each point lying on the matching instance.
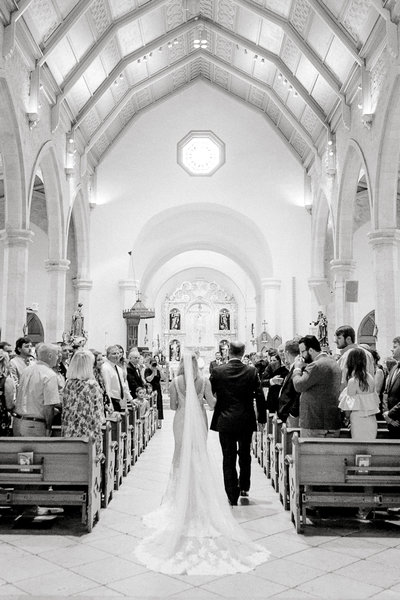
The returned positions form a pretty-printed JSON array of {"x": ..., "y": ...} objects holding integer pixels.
[{"x": 347, "y": 562}]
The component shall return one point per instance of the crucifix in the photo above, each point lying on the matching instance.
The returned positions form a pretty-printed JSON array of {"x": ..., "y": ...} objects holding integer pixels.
[{"x": 264, "y": 324}]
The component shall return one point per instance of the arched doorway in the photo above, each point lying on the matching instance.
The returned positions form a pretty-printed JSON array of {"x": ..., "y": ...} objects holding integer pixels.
[
  {"x": 367, "y": 330},
  {"x": 34, "y": 328}
]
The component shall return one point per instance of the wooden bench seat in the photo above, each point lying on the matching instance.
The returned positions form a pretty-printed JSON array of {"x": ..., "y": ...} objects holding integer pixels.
[
  {"x": 116, "y": 435},
  {"x": 108, "y": 467},
  {"x": 64, "y": 471},
  {"x": 325, "y": 472}
]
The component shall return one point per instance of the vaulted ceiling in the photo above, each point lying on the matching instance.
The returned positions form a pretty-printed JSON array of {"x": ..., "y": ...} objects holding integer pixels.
[{"x": 299, "y": 62}]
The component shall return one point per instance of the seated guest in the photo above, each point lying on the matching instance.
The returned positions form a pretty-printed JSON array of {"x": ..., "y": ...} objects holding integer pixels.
[
  {"x": 359, "y": 397},
  {"x": 272, "y": 379},
  {"x": 82, "y": 400},
  {"x": 37, "y": 395},
  {"x": 114, "y": 382},
  {"x": 289, "y": 398},
  {"x": 23, "y": 352},
  {"x": 7, "y": 394}
]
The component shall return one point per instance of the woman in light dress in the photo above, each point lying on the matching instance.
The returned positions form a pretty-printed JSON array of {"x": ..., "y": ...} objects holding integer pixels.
[
  {"x": 359, "y": 397},
  {"x": 195, "y": 530}
]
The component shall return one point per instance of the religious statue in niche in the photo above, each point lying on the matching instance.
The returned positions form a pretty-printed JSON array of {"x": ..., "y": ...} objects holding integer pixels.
[
  {"x": 224, "y": 350},
  {"x": 175, "y": 319},
  {"x": 174, "y": 351},
  {"x": 224, "y": 320}
]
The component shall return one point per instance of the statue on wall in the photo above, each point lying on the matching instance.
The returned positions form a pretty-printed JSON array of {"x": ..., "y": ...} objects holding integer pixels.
[
  {"x": 77, "y": 322},
  {"x": 322, "y": 332},
  {"x": 175, "y": 319},
  {"x": 174, "y": 351},
  {"x": 224, "y": 320}
]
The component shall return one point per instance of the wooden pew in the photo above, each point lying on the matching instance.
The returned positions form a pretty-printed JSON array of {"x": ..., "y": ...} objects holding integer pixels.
[
  {"x": 108, "y": 467},
  {"x": 126, "y": 429},
  {"x": 285, "y": 450},
  {"x": 132, "y": 415},
  {"x": 64, "y": 472},
  {"x": 274, "y": 451},
  {"x": 267, "y": 444},
  {"x": 325, "y": 472},
  {"x": 116, "y": 435}
]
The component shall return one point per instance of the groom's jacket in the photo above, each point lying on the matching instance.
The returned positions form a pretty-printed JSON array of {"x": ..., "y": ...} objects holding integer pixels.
[{"x": 236, "y": 386}]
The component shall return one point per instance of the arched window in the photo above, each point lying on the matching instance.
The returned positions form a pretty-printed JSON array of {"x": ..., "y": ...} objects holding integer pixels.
[
  {"x": 366, "y": 333},
  {"x": 34, "y": 328}
]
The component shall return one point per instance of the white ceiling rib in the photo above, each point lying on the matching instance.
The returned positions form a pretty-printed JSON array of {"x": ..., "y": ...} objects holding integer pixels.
[{"x": 291, "y": 59}]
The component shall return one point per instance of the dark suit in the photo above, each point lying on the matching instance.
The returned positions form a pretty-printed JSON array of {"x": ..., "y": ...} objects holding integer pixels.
[
  {"x": 213, "y": 364},
  {"x": 134, "y": 379},
  {"x": 289, "y": 398},
  {"x": 393, "y": 400},
  {"x": 236, "y": 385}
]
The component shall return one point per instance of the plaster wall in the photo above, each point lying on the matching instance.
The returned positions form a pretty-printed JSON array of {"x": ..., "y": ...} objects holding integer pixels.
[
  {"x": 364, "y": 274},
  {"x": 140, "y": 177}
]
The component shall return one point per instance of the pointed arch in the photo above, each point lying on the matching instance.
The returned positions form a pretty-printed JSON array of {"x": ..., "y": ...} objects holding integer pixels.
[
  {"x": 13, "y": 161},
  {"x": 79, "y": 214},
  {"x": 46, "y": 160},
  {"x": 353, "y": 164}
]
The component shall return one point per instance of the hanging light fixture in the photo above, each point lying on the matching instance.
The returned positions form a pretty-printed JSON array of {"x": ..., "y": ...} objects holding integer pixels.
[{"x": 200, "y": 39}]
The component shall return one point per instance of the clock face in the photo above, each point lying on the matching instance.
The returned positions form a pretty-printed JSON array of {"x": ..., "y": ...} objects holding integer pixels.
[{"x": 201, "y": 153}]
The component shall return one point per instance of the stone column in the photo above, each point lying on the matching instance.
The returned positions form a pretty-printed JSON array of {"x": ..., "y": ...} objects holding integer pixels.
[
  {"x": 83, "y": 287},
  {"x": 55, "y": 314},
  {"x": 342, "y": 270},
  {"x": 13, "y": 317},
  {"x": 385, "y": 248},
  {"x": 271, "y": 306}
]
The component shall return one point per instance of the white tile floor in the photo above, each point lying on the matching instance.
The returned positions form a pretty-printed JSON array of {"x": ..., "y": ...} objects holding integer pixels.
[{"x": 340, "y": 561}]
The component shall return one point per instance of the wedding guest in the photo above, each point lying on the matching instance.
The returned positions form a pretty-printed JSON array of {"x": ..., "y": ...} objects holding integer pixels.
[
  {"x": 18, "y": 364},
  {"x": 7, "y": 394},
  {"x": 82, "y": 400},
  {"x": 359, "y": 397},
  {"x": 272, "y": 380}
]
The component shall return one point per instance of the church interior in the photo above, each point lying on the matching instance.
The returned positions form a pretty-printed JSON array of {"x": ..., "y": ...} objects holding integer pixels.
[
  {"x": 201, "y": 156},
  {"x": 179, "y": 174}
]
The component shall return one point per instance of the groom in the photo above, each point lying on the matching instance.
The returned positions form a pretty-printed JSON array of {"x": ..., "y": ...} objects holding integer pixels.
[{"x": 236, "y": 385}]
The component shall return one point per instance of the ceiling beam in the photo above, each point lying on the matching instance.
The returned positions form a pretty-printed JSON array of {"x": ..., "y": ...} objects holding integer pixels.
[
  {"x": 296, "y": 38},
  {"x": 135, "y": 89},
  {"x": 235, "y": 72},
  {"x": 80, "y": 9},
  {"x": 336, "y": 29},
  {"x": 216, "y": 62},
  {"x": 10, "y": 29},
  {"x": 181, "y": 29},
  {"x": 278, "y": 63},
  {"x": 63, "y": 29}
]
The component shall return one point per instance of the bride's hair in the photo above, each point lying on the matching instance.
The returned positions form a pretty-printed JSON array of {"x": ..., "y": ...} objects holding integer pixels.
[{"x": 181, "y": 370}]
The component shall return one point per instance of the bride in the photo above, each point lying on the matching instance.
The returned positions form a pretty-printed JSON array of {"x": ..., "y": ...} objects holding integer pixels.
[{"x": 196, "y": 533}]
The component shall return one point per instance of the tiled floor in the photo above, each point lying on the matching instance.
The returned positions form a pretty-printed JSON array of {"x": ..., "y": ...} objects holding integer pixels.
[{"x": 340, "y": 561}]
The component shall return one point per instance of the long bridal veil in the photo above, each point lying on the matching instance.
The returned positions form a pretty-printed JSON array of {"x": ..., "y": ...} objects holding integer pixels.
[{"x": 196, "y": 532}]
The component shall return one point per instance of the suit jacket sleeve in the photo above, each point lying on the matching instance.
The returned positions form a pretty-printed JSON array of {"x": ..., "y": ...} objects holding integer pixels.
[{"x": 306, "y": 380}]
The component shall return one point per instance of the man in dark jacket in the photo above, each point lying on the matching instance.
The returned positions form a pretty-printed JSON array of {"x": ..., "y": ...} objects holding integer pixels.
[
  {"x": 391, "y": 402},
  {"x": 133, "y": 373},
  {"x": 288, "y": 408},
  {"x": 236, "y": 385}
]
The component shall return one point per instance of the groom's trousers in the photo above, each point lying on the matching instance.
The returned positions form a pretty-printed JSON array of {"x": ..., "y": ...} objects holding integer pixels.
[{"x": 236, "y": 445}]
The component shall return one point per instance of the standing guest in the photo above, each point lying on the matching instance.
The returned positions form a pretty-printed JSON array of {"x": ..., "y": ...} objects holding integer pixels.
[
  {"x": 216, "y": 362},
  {"x": 245, "y": 359},
  {"x": 272, "y": 380},
  {"x": 134, "y": 372},
  {"x": 391, "y": 404},
  {"x": 98, "y": 361},
  {"x": 82, "y": 400},
  {"x": 122, "y": 361},
  {"x": 7, "y": 394},
  {"x": 6, "y": 346},
  {"x": 261, "y": 362},
  {"x": 23, "y": 351},
  {"x": 359, "y": 397},
  {"x": 66, "y": 354},
  {"x": 317, "y": 377},
  {"x": 379, "y": 377},
  {"x": 37, "y": 395},
  {"x": 236, "y": 386},
  {"x": 289, "y": 397},
  {"x": 153, "y": 376},
  {"x": 142, "y": 402},
  {"x": 345, "y": 341},
  {"x": 114, "y": 381}
]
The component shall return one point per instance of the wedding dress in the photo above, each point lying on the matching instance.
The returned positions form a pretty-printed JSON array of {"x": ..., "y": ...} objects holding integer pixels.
[{"x": 196, "y": 532}]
